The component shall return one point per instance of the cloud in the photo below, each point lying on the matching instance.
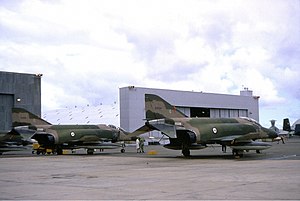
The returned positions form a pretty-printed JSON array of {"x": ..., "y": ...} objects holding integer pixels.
[{"x": 86, "y": 51}]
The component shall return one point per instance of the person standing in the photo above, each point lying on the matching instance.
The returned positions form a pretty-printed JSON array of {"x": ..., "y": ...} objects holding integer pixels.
[
  {"x": 142, "y": 140},
  {"x": 137, "y": 143},
  {"x": 224, "y": 148}
]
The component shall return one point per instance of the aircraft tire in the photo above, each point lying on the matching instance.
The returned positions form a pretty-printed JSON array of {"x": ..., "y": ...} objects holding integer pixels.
[
  {"x": 59, "y": 151},
  {"x": 90, "y": 152},
  {"x": 237, "y": 153},
  {"x": 186, "y": 152},
  {"x": 122, "y": 150}
]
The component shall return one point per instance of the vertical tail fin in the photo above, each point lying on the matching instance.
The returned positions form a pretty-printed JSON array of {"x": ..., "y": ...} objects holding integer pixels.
[
  {"x": 286, "y": 125},
  {"x": 22, "y": 117},
  {"x": 158, "y": 108}
]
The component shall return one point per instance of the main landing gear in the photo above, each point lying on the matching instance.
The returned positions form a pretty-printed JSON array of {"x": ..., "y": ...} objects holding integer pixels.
[
  {"x": 185, "y": 150},
  {"x": 238, "y": 153},
  {"x": 90, "y": 151}
]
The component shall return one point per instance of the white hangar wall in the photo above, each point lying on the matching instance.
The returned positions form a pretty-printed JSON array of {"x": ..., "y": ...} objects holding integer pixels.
[{"x": 132, "y": 104}]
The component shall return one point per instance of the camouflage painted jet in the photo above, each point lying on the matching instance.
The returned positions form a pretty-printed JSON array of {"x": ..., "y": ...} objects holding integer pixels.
[
  {"x": 60, "y": 137},
  {"x": 15, "y": 140},
  {"x": 196, "y": 133}
]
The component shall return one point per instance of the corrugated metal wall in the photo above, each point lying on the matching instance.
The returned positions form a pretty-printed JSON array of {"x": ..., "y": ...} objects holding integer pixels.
[
  {"x": 18, "y": 90},
  {"x": 6, "y": 103}
]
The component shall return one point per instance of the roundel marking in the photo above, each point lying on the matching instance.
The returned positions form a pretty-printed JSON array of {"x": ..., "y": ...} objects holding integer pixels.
[
  {"x": 72, "y": 134},
  {"x": 215, "y": 130}
]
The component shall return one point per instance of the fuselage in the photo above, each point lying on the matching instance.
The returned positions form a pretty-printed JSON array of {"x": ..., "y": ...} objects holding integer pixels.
[
  {"x": 60, "y": 134},
  {"x": 214, "y": 128},
  {"x": 210, "y": 130}
]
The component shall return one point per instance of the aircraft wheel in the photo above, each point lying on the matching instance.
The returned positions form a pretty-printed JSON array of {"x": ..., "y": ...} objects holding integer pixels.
[
  {"x": 59, "y": 151},
  {"x": 258, "y": 151},
  {"x": 238, "y": 153},
  {"x": 90, "y": 152},
  {"x": 122, "y": 150},
  {"x": 186, "y": 152},
  {"x": 38, "y": 152}
]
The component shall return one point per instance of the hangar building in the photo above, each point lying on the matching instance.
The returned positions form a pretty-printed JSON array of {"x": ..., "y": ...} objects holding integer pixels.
[
  {"x": 193, "y": 104},
  {"x": 18, "y": 90}
]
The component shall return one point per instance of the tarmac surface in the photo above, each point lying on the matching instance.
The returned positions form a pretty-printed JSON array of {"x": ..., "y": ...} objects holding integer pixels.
[{"x": 158, "y": 174}]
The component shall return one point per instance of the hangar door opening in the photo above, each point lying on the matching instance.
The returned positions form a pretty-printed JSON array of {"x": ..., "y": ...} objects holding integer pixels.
[
  {"x": 200, "y": 112},
  {"x": 228, "y": 113}
]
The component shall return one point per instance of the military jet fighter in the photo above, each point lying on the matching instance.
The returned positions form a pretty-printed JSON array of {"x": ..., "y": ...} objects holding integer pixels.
[
  {"x": 60, "y": 137},
  {"x": 196, "y": 133}
]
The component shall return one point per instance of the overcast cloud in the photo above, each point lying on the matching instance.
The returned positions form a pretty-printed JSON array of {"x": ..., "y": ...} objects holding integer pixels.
[{"x": 86, "y": 50}]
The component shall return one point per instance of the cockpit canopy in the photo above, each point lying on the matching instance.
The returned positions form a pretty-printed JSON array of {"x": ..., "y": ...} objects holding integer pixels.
[
  {"x": 251, "y": 120},
  {"x": 112, "y": 126},
  {"x": 117, "y": 128}
]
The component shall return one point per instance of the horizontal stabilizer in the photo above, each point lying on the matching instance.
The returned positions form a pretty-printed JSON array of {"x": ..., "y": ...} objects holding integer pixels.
[
  {"x": 163, "y": 125},
  {"x": 126, "y": 136}
]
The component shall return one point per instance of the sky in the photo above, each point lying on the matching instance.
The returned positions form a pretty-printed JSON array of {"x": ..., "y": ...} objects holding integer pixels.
[{"x": 87, "y": 50}]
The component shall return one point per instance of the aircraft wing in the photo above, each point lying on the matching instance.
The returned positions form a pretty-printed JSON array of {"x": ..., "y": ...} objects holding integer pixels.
[
  {"x": 141, "y": 130},
  {"x": 238, "y": 138},
  {"x": 249, "y": 136},
  {"x": 88, "y": 138},
  {"x": 96, "y": 145},
  {"x": 226, "y": 138}
]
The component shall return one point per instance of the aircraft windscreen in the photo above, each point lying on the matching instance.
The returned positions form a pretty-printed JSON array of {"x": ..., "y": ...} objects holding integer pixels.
[
  {"x": 121, "y": 129},
  {"x": 115, "y": 127}
]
